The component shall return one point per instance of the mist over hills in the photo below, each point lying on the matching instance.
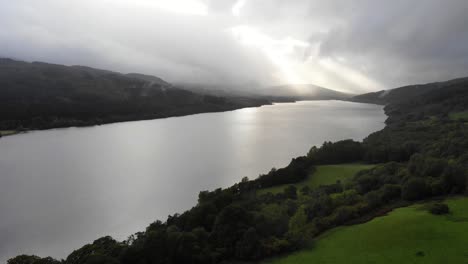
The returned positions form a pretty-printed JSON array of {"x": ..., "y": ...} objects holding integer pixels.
[
  {"x": 225, "y": 89},
  {"x": 304, "y": 92},
  {"x": 40, "y": 95},
  {"x": 149, "y": 78},
  {"x": 280, "y": 93}
]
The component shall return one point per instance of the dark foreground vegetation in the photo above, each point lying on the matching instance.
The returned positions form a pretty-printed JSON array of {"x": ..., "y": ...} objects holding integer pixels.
[
  {"x": 40, "y": 95},
  {"x": 421, "y": 153}
]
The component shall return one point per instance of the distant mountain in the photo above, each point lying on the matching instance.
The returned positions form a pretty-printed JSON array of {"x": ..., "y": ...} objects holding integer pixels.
[
  {"x": 40, "y": 95},
  {"x": 304, "y": 92},
  {"x": 406, "y": 92},
  {"x": 149, "y": 78},
  {"x": 225, "y": 89},
  {"x": 273, "y": 93}
]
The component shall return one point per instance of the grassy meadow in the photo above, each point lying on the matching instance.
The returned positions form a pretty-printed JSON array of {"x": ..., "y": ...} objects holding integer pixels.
[
  {"x": 459, "y": 115},
  {"x": 8, "y": 132},
  {"x": 406, "y": 235},
  {"x": 323, "y": 175}
]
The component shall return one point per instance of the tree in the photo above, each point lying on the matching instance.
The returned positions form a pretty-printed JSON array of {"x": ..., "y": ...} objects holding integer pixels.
[
  {"x": 103, "y": 250},
  {"x": 390, "y": 192},
  {"x": 31, "y": 259},
  {"x": 247, "y": 248},
  {"x": 230, "y": 225},
  {"x": 366, "y": 182},
  {"x": 343, "y": 214},
  {"x": 414, "y": 189},
  {"x": 338, "y": 152},
  {"x": 23, "y": 259},
  {"x": 305, "y": 190},
  {"x": 454, "y": 176},
  {"x": 297, "y": 226},
  {"x": 373, "y": 199},
  {"x": 290, "y": 192}
]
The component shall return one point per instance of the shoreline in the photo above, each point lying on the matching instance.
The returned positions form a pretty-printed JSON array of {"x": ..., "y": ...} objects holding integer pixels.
[
  {"x": 6, "y": 133},
  {"x": 79, "y": 124},
  {"x": 84, "y": 124}
]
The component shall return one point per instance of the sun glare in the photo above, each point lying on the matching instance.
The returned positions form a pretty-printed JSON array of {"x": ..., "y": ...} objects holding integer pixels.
[
  {"x": 236, "y": 8},
  {"x": 350, "y": 75},
  {"x": 280, "y": 52}
]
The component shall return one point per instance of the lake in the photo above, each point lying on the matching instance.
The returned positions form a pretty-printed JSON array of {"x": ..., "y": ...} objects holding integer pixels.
[{"x": 62, "y": 188}]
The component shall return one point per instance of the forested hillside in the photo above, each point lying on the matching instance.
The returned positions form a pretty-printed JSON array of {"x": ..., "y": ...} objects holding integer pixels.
[
  {"x": 40, "y": 95},
  {"x": 406, "y": 92},
  {"x": 420, "y": 154}
]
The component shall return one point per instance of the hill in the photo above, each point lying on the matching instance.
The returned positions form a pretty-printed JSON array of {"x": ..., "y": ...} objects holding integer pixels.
[
  {"x": 40, "y": 95},
  {"x": 282, "y": 93},
  {"x": 149, "y": 78},
  {"x": 223, "y": 90},
  {"x": 303, "y": 92},
  {"x": 406, "y": 92}
]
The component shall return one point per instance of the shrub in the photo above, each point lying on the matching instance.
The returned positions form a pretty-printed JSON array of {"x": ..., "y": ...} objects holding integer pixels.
[
  {"x": 373, "y": 199},
  {"x": 347, "y": 197},
  {"x": 305, "y": 190},
  {"x": 290, "y": 192},
  {"x": 390, "y": 192},
  {"x": 439, "y": 209},
  {"x": 366, "y": 182},
  {"x": 414, "y": 189},
  {"x": 343, "y": 214}
]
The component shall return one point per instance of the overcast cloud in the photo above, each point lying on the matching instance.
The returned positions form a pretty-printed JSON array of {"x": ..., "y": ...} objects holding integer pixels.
[{"x": 355, "y": 45}]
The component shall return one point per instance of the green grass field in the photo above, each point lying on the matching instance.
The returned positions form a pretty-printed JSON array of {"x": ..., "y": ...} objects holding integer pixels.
[
  {"x": 325, "y": 174},
  {"x": 406, "y": 235},
  {"x": 8, "y": 132},
  {"x": 459, "y": 115}
]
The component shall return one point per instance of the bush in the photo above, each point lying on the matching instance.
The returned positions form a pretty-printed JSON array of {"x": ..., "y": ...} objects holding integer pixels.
[
  {"x": 423, "y": 166},
  {"x": 343, "y": 214},
  {"x": 347, "y": 197},
  {"x": 390, "y": 192},
  {"x": 454, "y": 177},
  {"x": 439, "y": 209},
  {"x": 366, "y": 182},
  {"x": 414, "y": 189},
  {"x": 373, "y": 199},
  {"x": 290, "y": 192},
  {"x": 305, "y": 190}
]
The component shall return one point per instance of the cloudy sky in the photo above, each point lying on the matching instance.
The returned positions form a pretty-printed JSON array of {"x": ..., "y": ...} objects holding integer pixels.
[{"x": 354, "y": 45}]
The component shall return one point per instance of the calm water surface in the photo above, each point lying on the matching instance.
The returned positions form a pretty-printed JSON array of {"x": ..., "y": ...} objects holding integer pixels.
[{"x": 62, "y": 188}]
